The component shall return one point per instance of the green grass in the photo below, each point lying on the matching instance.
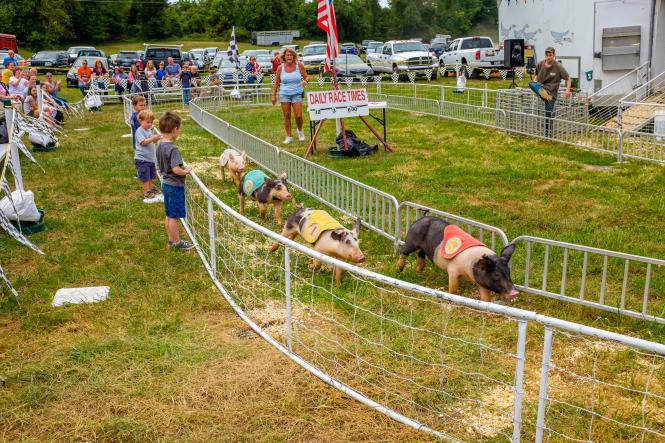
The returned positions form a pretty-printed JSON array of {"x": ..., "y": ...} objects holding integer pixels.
[{"x": 164, "y": 357}]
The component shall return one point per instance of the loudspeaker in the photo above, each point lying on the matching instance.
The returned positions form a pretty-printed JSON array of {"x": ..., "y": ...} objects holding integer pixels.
[{"x": 513, "y": 52}]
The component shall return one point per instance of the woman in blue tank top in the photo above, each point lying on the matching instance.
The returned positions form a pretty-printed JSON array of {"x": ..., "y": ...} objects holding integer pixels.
[{"x": 290, "y": 81}]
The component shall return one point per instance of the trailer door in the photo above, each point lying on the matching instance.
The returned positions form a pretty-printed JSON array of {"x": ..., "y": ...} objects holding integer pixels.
[{"x": 621, "y": 35}]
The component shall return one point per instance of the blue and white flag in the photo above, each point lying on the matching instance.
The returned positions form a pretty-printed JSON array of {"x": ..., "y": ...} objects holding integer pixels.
[{"x": 233, "y": 48}]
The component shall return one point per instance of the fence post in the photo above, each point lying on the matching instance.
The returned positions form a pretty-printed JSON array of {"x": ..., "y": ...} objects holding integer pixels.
[
  {"x": 620, "y": 129},
  {"x": 287, "y": 290},
  {"x": 211, "y": 232},
  {"x": 544, "y": 376},
  {"x": 519, "y": 381}
]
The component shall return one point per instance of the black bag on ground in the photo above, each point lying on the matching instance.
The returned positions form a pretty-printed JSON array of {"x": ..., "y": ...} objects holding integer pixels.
[
  {"x": 356, "y": 147},
  {"x": 59, "y": 117}
]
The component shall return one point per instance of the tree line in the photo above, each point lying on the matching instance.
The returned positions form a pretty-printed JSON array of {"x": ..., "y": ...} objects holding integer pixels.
[{"x": 49, "y": 23}]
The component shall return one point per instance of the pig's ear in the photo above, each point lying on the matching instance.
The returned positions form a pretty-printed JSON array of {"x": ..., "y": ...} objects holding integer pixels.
[
  {"x": 268, "y": 182},
  {"x": 486, "y": 264},
  {"x": 356, "y": 226},
  {"x": 282, "y": 176},
  {"x": 243, "y": 154},
  {"x": 507, "y": 252},
  {"x": 337, "y": 235}
]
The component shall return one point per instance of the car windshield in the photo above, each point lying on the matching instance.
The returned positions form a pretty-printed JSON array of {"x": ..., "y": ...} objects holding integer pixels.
[
  {"x": 46, "y": 54},
  {"x": 226, "y": 63},
  {"x": 74, "y": 49},
  {"x": 374, "y": 45},
  {"x": 314, "y": 50},
  {"x": 264, "y": 58},
  {"x": 127, "y": 54},
  {"x": 408, "y": 47},
  {"x": 91, "y": 61},
  {"x": 162, "y": 53},
  {"x": 348, "y": 59}
]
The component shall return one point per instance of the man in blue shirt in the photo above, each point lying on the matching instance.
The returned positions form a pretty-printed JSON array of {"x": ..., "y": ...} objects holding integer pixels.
[
  {"x": 9, "y": 59},
  {"x": 172, "y": 71}
]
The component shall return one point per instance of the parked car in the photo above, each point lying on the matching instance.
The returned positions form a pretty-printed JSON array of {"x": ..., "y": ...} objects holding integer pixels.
[
  {"x": 313, "y": 55},
  {"x": 350, "y": 65},
  {"x": 126, "y": 59},
  {"x": 226, "y": 70},
  {"x": 477, "y": 52},
  {"x": 200, "y": 57},
  {"x": 49, "y": 59},
  {"x": 91, "y": 53},
  {"x": 363, "y": 45},
  {"x": 265, "y": 61},
  {"x": 348, "y": 48},
  {"x": 221, "y": 56},
  {"x": 187, "y": 59},
  {"x": 402, "y": 56},
  {"x": 438, "y": 47},
  {"x": 373, "y": 46},
  {"x": 112, "y": 59},
  {"x": 74, "y": 52},
  {"x": 72, "y": 80},
  {"x": 212, "y": 52},
  {"x": 255, "y": 52},
  {"x": 294, "y": 47},
  {"x": 161, "y": 53}
]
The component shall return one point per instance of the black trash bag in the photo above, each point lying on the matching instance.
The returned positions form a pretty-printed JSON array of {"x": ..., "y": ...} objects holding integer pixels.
[
  {"x": 356, "y": 147},
  {"x": 4, "y": 130}
]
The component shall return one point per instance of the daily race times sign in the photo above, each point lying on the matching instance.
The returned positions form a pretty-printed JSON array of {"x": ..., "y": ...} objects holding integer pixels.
[{"x": 337, "y": 104}]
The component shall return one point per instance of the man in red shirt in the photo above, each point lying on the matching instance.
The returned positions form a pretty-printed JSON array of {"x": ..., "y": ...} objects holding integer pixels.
[
  {"x": 275, "y": 62},
  {"x": 84, "y": 75}
]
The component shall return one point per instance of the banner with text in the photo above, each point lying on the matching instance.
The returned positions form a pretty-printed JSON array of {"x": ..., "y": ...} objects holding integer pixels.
[{"x": 337, "y": 104}]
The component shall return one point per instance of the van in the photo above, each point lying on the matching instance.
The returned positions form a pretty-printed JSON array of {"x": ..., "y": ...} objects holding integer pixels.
[{"x": 7, "y": 42}]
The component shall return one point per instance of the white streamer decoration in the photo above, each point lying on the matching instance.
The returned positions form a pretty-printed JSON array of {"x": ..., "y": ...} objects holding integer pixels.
[
  {"x": 363, "y": 80},
  {"x": 469, "y": 71},
  {"x": 259, "y": 76},
  {"x": 487, "y": 73},
  {"x": 152, "y": 83},
  {"x": 377, "y": 79},
  {"x": 412, "y": 76},
  {"x": 165, "y": 83},
  {"x": 442, "y": 71},
  {"x": 322, "y": 80},
  {"x": 272, "y": 78},
  {"x": 6, "y": 281},
  {"x": 504, "y": 73},
  {"x": 348, "y": 81},
  {"x": 395, "y": 77},
  {"x": 428, "y": 74},
  {"x": 13, "y": 232}
]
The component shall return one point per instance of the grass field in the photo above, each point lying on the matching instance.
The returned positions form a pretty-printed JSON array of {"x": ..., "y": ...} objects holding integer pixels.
[{"x": 164, "y": 357}]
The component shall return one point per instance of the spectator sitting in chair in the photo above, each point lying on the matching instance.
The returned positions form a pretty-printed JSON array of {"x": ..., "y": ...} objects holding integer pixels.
[
  {"x": 99, "y": 72},
  {"x": 31, "y": 106},
  {"x": 173, "y": 71},
  {"x": 84, "y": 75},
  {"x": 133, "y": 76},
  {"x": 53, "y": 88},
  {"x": 17, "y": 85},
  {"x": 9, "y": 59},
  {"x": 252, "y": 67},
  {"x": 150, "y": 71}
]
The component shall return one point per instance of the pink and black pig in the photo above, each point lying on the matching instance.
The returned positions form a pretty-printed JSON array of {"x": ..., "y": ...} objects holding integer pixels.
[
  {"x": 461, "y": 255},
  {"x": 234, "y": 161},
  {"x": 326, "y": 235},
  {"x": 258, "y": 186}
]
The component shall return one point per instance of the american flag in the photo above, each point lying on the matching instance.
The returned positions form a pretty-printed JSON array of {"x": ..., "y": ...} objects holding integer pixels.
[
  {"x": 326, "y": 21},
  {"x": 233, "y": 47}
]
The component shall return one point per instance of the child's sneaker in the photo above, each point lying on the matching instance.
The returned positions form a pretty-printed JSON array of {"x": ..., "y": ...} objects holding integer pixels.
[
  {"x": 301, "y": 135},
  {"x": 156, "y": 191},
  {"x": 182, "y": 244},
  {"x": 150, "y": 194},
  {"x": 287, "y": 140}
]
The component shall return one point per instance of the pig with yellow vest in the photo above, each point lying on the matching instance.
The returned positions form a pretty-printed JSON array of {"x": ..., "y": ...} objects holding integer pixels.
[
  {"x": 461, "y": 255},
  {"x": 326, "y": 235}
]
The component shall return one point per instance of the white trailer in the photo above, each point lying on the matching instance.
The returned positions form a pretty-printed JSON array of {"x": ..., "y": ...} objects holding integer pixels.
[
  {"x": 274, "y": 38},
  {"x": 598, "y": 41}
]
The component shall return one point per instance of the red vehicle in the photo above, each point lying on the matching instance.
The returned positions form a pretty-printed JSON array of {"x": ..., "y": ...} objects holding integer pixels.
[{"x": 7, "y": 42}]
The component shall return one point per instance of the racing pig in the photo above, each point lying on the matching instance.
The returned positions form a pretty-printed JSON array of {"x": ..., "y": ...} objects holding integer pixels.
[
  {"x": 461, "y": 255},
  {"x": 326, "y": 235},
  {"x": 235, "y": 162},
  {"x": 257, "y": 186}
]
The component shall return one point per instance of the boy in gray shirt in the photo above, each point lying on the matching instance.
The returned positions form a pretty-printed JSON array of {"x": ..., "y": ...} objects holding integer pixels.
[{"x": 144, "y": 155}]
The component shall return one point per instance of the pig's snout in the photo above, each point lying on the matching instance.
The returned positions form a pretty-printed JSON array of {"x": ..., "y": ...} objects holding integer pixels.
[
  {"x": 512, "y": 294},
  {"x": 288, "y": 196},
  {"x": 359, "y": 258}
]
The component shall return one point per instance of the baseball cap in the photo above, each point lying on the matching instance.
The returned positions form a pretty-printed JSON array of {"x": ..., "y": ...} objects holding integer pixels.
[{"x": 550, "y": 49}]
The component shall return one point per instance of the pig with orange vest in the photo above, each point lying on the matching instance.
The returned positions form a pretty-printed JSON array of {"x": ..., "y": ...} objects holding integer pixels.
[{"x": 461, "y": 255}]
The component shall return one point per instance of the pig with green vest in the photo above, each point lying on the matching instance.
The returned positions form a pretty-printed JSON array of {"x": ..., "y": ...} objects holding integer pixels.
[{"x": 257, "y": 186}]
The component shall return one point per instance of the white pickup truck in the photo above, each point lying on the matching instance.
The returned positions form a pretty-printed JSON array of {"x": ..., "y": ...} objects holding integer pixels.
[
  {"x": 402, "y": 56},
  {"x": 477, "y": 52}
]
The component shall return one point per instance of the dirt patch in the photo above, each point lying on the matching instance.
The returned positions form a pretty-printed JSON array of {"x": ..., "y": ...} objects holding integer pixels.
[
  {"x": 206, "y": 165},
  {"x": 548, "y": 184},
  {"x": 598, "y": 168},
  {"x": 495, "y": 413}
]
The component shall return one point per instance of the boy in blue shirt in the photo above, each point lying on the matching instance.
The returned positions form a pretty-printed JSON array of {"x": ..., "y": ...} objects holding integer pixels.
[{"x": 138, "y": 102}]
